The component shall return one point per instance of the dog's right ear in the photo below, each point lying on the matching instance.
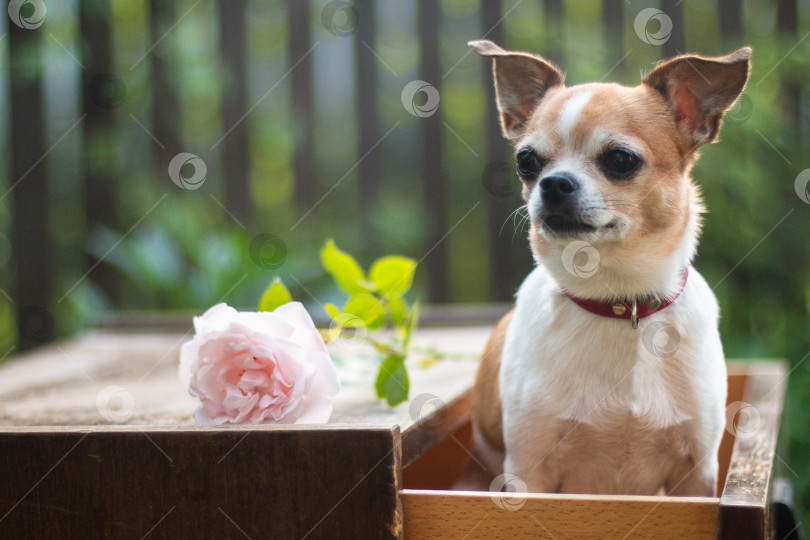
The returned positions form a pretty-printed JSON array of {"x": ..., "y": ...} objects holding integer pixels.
[{"x": 521, "y": 81}]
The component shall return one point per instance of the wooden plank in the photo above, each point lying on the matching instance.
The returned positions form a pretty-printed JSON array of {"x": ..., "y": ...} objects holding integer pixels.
[
  {"x": 676, "y": 44},
  {"x": 509, "y": 255},
  {"x": 368, "y": 122},
  {"x": 737, "y": 379},
  {"x": 790, "y": 94},
  {"x": 60, "y": 384},
  {"x": 744, "y": 501},
  {"x": 28, "y": 187},
  {"x": 235, "y": 155},
  {"x": 613, "y": 35},
  {"x": 554, "y": 30},
  {"x": 101, "y": 95},
  {"x": 441, "y": 466},
  {"x": 432, "y": 157},
  {"x": 265, "y": 482},
  {"x": 302, "y": 119},
  {"x": 476, "y": 515},
  {"x": 787, "y": 16},
  {"x": 730, "y": 21},
  {"x": 165, "y": 102},
  {"x": 423, "y": 432}
]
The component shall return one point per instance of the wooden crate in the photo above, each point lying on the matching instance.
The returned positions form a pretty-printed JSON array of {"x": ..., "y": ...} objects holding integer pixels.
[
  {"x": 69, "y": 471},
  {"x": 741, "y": 511}
]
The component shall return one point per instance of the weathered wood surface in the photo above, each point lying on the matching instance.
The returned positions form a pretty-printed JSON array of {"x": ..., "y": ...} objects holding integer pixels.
[
  {"x": 744, "y": 502},
  {"x": 61, "y": 385},
  {"x": 737, "y": 379}
]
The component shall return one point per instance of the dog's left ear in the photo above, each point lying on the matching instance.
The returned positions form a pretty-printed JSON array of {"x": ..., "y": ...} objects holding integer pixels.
[{"x": 700, "y": 89}]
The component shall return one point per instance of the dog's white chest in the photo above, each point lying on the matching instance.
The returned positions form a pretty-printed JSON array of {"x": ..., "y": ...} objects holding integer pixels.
[
  {"x": 563, "y": 362},
  {"x": 595, "y": 404}
]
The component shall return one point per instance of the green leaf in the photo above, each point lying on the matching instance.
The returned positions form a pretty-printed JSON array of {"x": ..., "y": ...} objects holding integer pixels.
[
  {"x": 367, "y": 308},
  {"x": 397, "y": 307},
  {"x": 413, "y": 322},
  {"x": 345, "y": 270},
  {"x": 344, "y": 321},
  {"x": 392, "y": 274},
  {"x": 276, "y": 295},
  {"x": 349, "y": 320},
  {"x": 392, "y": 381},
  {"x": 332, "y": 310}
]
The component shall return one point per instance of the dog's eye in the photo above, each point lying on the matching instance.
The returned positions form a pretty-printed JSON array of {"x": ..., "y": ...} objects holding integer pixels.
[
  {"x": 620, "y": 163},
  {"x": 529, "y": 164}
]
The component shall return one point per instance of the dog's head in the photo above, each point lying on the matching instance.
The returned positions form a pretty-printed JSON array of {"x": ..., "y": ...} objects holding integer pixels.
[{"x": 605, "y": 163}]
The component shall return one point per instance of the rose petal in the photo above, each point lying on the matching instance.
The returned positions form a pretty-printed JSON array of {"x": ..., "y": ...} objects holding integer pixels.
[
  {"x": 253, "y": 378},
  {"x": 215, "y": 319},
  {"x": 201, "y": 416},
  {"x": 291, "y": 361},
  {"x": 309, "y": 338},
  {"x": 246, "y": 409},
  {"x": 279, "y": 415},
  {"x": 264, "y": 322},
  {"x": 295, "y": 313},
  {"x": 249, "y": 367},
  {"x": 246, "y": 359},
  {"x": 317, "y": 404},
  {"x": 188, "y": 355}
]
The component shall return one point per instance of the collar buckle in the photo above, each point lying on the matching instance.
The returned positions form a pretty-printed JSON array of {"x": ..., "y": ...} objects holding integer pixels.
[{"x": 634, "y": 314}]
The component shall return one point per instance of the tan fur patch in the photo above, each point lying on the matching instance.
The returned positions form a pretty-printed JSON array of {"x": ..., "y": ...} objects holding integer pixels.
[{"x": 486, "y": 393}]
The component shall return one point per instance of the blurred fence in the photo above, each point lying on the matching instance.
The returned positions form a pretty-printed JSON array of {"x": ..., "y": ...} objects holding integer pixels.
[{"x": 368, "y": 121}]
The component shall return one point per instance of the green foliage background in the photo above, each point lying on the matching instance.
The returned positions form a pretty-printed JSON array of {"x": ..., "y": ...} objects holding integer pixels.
[{"x": 189, "y": 253}]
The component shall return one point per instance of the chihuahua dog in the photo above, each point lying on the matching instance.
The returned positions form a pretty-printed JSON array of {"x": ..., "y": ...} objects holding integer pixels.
[{"x": 608, "y": 376}]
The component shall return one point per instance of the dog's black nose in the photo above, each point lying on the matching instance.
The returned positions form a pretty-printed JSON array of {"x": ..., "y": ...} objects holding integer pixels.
[{"x": 557, "y": 187}]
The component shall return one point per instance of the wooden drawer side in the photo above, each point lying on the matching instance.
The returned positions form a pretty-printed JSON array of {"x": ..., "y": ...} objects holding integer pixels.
[
  {"x": 744, "y": 501},
  {"x": 478, "y": 515},
  {"x": 201, "y": 482}
]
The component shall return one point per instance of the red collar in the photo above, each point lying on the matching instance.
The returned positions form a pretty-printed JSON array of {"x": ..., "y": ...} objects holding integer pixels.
[{"x": 634, "y": 310}]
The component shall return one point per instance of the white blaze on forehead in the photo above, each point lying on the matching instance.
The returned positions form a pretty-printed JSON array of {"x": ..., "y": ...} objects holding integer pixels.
[{"x": 571, "y": 110}]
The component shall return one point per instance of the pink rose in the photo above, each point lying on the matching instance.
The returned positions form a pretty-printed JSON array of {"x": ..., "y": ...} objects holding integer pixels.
[{"x": 258, "y": 367}]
